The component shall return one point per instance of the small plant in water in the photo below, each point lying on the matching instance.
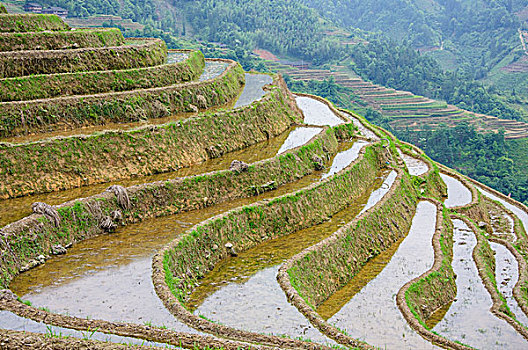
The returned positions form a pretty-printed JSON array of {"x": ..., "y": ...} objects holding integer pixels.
[{"x": 89, "y": 334}]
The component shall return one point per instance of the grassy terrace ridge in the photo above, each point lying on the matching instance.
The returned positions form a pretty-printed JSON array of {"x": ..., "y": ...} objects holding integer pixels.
[
  {"x": 396, "y": 107},
  {"x": 59, "y": 40},
  {"x": 31, "y": 23},
  {"x": 177, "y": 267},
  {"x": 45, "y": 86},
  {"x": 150, "y": 52},
  {"x": 156, "y": 199},
  {"x": 71, "y": 112},
  {"x": 62, "y": 163}
]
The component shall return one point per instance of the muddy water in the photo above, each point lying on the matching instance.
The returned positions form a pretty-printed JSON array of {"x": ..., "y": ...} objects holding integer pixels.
[
  {"x": 469, "y": 320},
  {"x": 379, "y": 193},
  {"x": 345, "y": 158},
  {"x": 13, "y": 322},
  {"x": 363, "y": 130},
  {"x": 253, "y": 89},
  {"x": 457, "y": 193},
  {"x": 242, "y": 292},
  {"x": 298, "y": 137},
  {"x": 316, "y": 112},
  {"x": 372, "y": 314},
  {"x": 507, "y": 275},
  {"x": 17, "y": 208},
  {"x": 108, "y": 277},
  {"x": 415, "y": 166}
]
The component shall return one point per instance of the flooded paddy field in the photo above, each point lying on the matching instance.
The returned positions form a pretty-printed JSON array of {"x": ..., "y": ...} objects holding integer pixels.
[{"x": 469, "y": 319}]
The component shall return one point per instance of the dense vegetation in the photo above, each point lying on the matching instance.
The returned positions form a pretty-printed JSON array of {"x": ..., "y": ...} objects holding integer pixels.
[
  {"x": 281, "y": 26},
  {"x": 271, "y": 24},
  {"x": 484, "y": 157},
  {"x": 478, "y": 32}
]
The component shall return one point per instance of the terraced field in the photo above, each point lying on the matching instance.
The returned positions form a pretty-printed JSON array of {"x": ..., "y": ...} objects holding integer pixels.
[
  {"x": 408, "y": 110},
  {"x": 187, "y": 204}
]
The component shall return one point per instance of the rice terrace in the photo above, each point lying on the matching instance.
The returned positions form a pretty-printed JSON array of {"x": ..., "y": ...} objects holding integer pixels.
[{"x": 155, "y": 198}]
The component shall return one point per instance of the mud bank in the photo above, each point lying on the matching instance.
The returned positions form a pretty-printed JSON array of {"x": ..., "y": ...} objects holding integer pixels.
[
  {"x": 145, "y": 332},
  {"x": 145, "y": 53},
  {"x": 44, "y": 86},
  {"x": 23, "y": 241},
  {"x": 49, "y": 40},
  {"x": 12, "y": 323},
  {"x": 372, "y": 314},
  {"x": 31, "y": 23},
  {"x": 71, "y": 112},
  {"x": 310, "y": 278},
  {"x": 144, "y": 151},
  {"x": 185, "y": 260}
]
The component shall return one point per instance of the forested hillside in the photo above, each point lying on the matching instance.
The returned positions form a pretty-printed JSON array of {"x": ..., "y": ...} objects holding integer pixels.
[{"x": 478, "y": 33}]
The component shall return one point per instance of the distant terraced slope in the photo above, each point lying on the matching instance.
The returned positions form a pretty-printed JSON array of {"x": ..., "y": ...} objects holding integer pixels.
[{"x": 407, "y": 110}]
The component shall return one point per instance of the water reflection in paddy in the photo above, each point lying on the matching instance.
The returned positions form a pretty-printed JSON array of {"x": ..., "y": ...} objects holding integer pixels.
[
  {"x": 345, "y": 158},
  {"x": 253, "y": 89},
  {"x": 108, "y": 277},
  {"x": 457, "y": 193},
  {"x": 369, "y": 312},
  {"x": 415, "y": 166},
  {"x": 469, "y": 319},
  {"x": 298, "y": 137},
  {"x": 316, "y": 112},
  {"x": 242, "y": 292}
]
